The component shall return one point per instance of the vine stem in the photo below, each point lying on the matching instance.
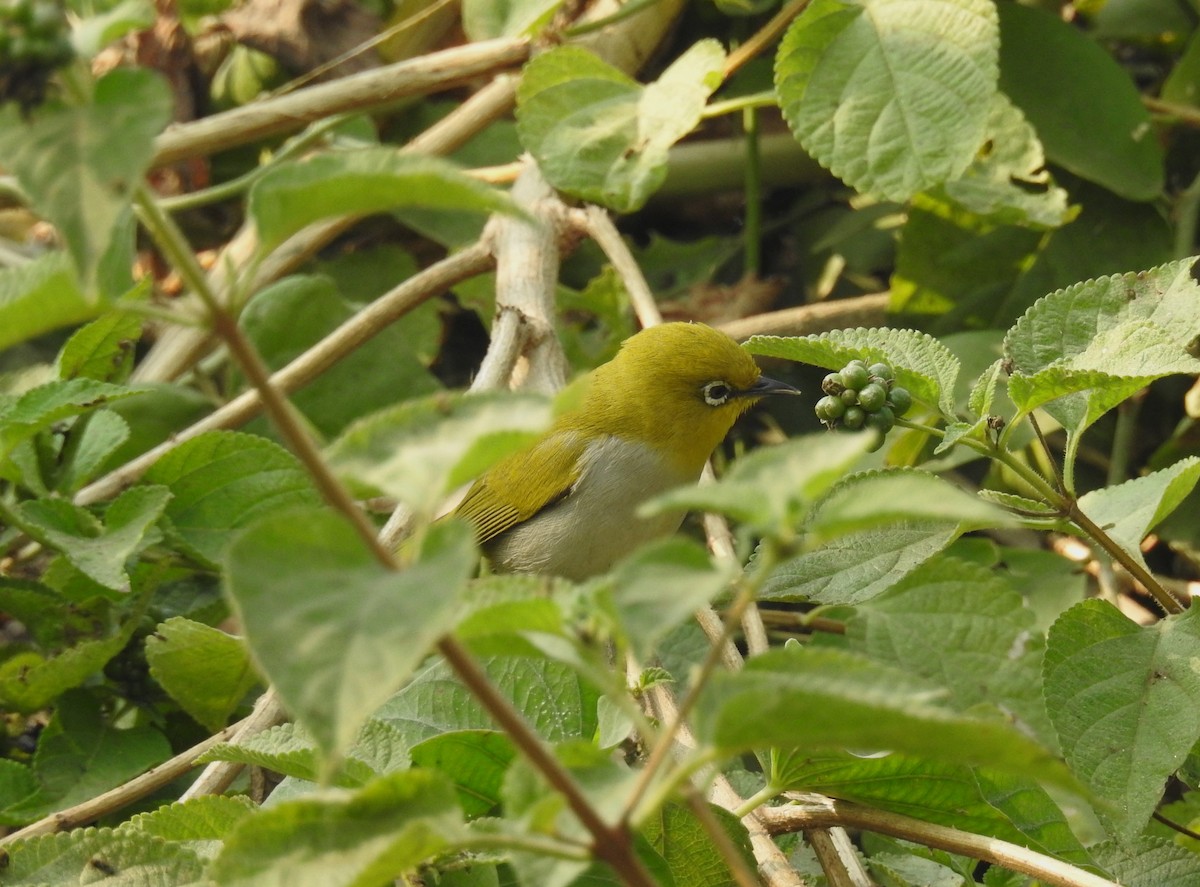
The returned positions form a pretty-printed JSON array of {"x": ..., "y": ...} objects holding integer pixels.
[
  {"x": 764, "y": 37},
  {"x": 610, "y": 843}
]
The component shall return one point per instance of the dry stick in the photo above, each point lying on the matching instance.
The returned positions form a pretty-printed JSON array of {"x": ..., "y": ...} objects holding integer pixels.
[
  {"x": 367, "y": 323},
  {"x": 764, "y": 37},
  {"x": 218, "y": 775},
  {"x": 820, "y": 812},
  {"x": 369, "y": 90},
  {"x": 123, "y": 795},
  {"x": 819, "y": 317}
]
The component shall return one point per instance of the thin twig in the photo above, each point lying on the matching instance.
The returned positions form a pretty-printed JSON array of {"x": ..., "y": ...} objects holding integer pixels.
[
  {"x": 124, "y": 795},
  {"x": 598, "y": 225},
  {"x": 821, "y": 812},
  {"x": 764, "y": 37},
  {"x": 819, "y": 317},
  {"x": 218, "y": 775}
]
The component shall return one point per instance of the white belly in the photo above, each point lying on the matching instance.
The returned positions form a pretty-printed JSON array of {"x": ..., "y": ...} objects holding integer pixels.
[{"x": 596, "y": 524}]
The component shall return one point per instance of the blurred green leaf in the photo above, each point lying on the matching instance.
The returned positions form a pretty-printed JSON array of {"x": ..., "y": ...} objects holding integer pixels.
[
  {"x": 474, "y": 759},
  {"x": 39, "y": 296},
  {"x": 1084, "y": 106},
  {"x": 352, "y": 631},
  {"x": 486, "y": 19},
  {"x": 205, "y": 670},
  {"x": 84, "y": 856},
  {"x": 197, "y": 823},
  {"x": 370, "y": 180},
  {"x": 690, "y": 851},
  {"x": 892, "y": 98},
  {"x": 103, "y": 349},
  {"x": 41, "y": 407},
  {"x": 1148, "y": 862},
  {"x": 342, "y": 838},
  {"x": 771, "y": 704},
  {"x": 1125, "y": 700},
  {"x": 601, "y": 136},
  {"x": 79, "y": 164}
]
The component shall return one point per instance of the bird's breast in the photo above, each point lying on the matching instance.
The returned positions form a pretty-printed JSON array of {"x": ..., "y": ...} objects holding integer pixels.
[{"x": 596, "y": 523}]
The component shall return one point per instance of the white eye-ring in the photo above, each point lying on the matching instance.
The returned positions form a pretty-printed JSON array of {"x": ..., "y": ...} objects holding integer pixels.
[{"x": 717, "y": 393}]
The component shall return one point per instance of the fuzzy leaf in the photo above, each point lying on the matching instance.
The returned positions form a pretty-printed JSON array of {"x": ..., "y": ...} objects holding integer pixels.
[
  {"x": 601, "y": 136},
  {"x": 341, "y": 838},
  {"x": 101, "y": 350},
  {"x": 475, "y": 760},
  {"x": 922, "y": 364},
  {"x": 1126, "y": 703},
  {"x": 205, "y": 670},
  {"x": 40, "y": 296},
  {"x": 828, "y": 699},
  {"x": 1130, "y": 510},
  {"x": 290, "y": 750},
  {"x": 80, "y": 163},
  {"x": 352, "y": 631},
  {"x": 891, "y": 97},
  {"x": 223, "y": 481},
  {"x": 39, "y": 408},
  {"x": 88, "y": 856}
]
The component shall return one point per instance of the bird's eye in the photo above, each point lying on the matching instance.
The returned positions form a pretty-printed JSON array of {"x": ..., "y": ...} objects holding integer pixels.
[{"x": 717, "y": 393}]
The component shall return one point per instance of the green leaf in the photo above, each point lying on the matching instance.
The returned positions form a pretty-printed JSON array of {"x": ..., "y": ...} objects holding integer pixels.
[
  {"x": 290, "y": 750},
  {"x": 1009, "y": 182},
  {"x": 352, "y": 631},
  {"x": 205, "y": 670},
  {"x": 475, "y": 759},
  {"x": 17, "y": 786},
  {"x": 370, "y": 180},
  {"x": 97, "y": 550},
  {"x": 32, "y": 680},
  {"x": 41, "y": 407},
  {"x": 339, "y": 838},
  {"x": 1093, "y": 122},
  {"x": 858, "y": 566},
  {"x": 892, "y": 98},
  {"x": 420, "y": 450},
  {"x": 770, "y": 703},
  {"x": 100, "y": 29},
  {"x": 80, "y": 164},
  {"x": 1148, "y": 862},
  {"x": 981, "y": 801},
  {"x": 102, "y": 350},
  {"x": 223, "y": 481},
  {"x": 601, "y": 136},
  {"x": 555, "y": 702},
  {"x": 40, "y": 296},
  {"x": 870, "y": 499},
  {"x": 88, "y": 856},
  {"x": 80, "y": 756},
  {"x": 689, "y": 850},
  {"x": 660, "y": 586},
  {"x": 986, "y": 652},
  {"x": 198, "y": 823},
  {"x": 1130, "y": 510},
  {"x": 1080, "y": 351},
  {"x": 487, "y": 19},
  {"x": 922, "y": 364},
  {"x": 1126, "y": 703},
  {"x": 772, "y": 488},
  {"x": 101, "y": 433},
  {"x": 285, "y": 319}
]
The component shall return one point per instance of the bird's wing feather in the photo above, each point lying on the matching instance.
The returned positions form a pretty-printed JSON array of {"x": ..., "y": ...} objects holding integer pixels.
[{"x": 519, "y": 486}]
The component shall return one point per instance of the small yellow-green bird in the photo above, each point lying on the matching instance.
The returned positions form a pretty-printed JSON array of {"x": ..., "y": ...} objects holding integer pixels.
[{"x": 650, "y": 418}]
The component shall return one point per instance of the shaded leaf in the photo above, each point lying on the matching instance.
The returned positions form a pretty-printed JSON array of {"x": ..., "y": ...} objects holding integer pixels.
[
  {"x": 205, "y": 670},
  {"x": 892, "y": 98},
  {"x": 474, "y": 759}
]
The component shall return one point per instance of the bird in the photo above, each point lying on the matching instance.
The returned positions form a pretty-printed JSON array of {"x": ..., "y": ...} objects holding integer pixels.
[{"x": 567, "y": 504}]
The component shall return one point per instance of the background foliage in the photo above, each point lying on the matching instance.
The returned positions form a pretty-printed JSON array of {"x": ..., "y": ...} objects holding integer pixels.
[{"x": 977, "y": 631}]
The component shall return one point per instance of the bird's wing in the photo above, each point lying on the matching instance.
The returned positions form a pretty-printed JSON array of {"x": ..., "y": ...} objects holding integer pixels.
[{"x": 519, "y": 486}]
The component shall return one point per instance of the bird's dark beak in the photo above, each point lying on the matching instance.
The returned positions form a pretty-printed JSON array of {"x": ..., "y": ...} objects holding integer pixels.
[{"x": 765, "y": 386}]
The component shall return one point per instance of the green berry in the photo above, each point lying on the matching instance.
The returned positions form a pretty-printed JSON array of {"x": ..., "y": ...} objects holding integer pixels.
[
  {"x": 882, "y": 421},
  {"x": 830, "y": 408},
  {"x": 833, "y": 384},
  {"x": 849, "y": 397},
  {"x": 854, "y": 418},
  {"x": 872, "y": 397},
  {"x": 881, "y": 371},
  {"x": 855, "y": 376},
  {"x": 899, "y": 400}
]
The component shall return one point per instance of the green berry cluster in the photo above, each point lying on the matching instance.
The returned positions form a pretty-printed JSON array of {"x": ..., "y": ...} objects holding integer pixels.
[
  {"x": 861, "y": 396},
  {"x": 33, "y": 43}
]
